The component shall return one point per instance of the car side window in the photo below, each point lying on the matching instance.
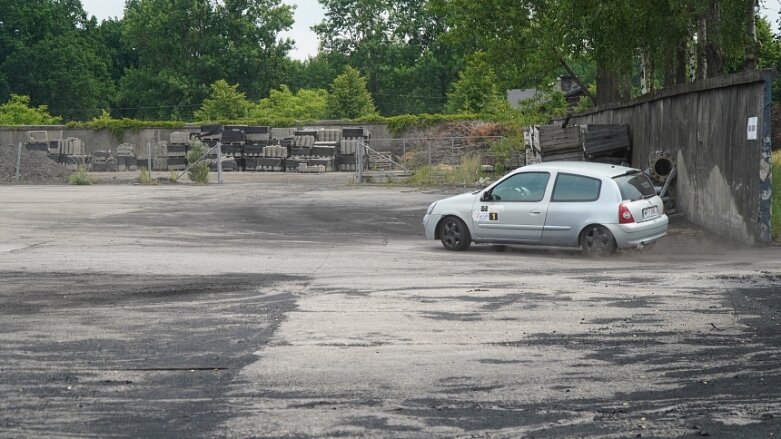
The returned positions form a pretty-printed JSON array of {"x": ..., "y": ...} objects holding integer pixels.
[
  {"x": 526, "y": 186},
  {"x": 571, "y": 187}
]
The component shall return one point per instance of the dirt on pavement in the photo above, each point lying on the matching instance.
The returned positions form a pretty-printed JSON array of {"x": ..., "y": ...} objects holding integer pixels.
[{"x": 300, "y": 306}]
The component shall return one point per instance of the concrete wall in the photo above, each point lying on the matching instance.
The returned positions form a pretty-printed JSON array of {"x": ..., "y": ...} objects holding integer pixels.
[
  {"x": 724, "y": 181},
  {"x": 104, "y": 140}
]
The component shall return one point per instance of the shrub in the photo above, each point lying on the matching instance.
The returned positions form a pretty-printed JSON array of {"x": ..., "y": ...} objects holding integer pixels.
[
  {"x": 199, "y": 166},
  {"x": 467, "y": 173},
  {"x": 80, "y": 177},
  {"x": 144, "y": 177}
]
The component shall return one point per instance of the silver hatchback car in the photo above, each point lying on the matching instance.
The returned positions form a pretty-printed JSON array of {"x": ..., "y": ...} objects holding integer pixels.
[{"x": 597, "y": 207}]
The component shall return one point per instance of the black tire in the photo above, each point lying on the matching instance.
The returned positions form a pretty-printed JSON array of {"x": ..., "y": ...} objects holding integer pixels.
[
  {"x": 454, "y": 234},
  {"x": 596, "y": 240}
]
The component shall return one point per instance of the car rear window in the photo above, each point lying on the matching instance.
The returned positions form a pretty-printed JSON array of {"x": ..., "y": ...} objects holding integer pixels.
[{"x": 635, "y": 186}]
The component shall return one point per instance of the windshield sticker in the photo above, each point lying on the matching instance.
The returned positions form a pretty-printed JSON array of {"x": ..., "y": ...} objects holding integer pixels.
[{"x": 493, "y": 216}]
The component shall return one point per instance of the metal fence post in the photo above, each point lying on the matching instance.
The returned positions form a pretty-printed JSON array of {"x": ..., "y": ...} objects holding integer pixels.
[
  {"x": 149, "y": 157},
  {"x": 219, "y": 162},
  {"x": 453, "y": 153},
  {"x": 359, "y": 151},
  {"x": 18, "y": 161}
]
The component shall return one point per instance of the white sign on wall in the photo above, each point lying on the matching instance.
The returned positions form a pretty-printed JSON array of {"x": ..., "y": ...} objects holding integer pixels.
[{"x": 751, "y": 128}]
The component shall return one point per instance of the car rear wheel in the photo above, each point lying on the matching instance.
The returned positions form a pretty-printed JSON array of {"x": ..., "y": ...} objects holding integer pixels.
[
  {"x": 597, "y": 240},
  {"x": 454, "y": 234}
]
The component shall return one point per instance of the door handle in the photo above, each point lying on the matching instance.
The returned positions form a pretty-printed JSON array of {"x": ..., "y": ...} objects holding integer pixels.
[{"x": 535, "y": 212}]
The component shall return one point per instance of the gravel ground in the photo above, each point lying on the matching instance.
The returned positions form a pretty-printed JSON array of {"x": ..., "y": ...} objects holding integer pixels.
[
  {"x": 35, "y": 167},
  {"x": 304, "y": 306}
]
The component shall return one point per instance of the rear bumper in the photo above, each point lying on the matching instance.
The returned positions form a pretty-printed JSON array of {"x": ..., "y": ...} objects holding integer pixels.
[{"x": 637, "y": 234}]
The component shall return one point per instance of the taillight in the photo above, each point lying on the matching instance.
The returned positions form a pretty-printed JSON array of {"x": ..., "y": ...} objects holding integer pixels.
[{"x": 624, "y": 215}]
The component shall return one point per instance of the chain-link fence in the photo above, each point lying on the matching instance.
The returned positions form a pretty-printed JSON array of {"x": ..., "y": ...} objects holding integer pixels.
[{"x": 445, "y": 160}]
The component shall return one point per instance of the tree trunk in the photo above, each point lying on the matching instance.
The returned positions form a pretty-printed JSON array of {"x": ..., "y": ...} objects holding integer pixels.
[
  {"x": 610, "y": 86},
  {"x": 710, "y": 59},
  {"x": 751, "y": 56}
]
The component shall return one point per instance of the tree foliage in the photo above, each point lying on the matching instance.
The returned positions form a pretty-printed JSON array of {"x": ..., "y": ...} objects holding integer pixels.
[
  {"x": 184, "y": 45},
  {"x": 349, "y": 97},
  {"x": 225, "y": 102},
  {"x": 476, "y": 90},
  {"x": 160, "y": 61},
  {"x": 396, "y": 44},
  {"x": 48, "y": 51},
  {"x": 17, "y": 111},
  {"x": 305, "y": 104}
]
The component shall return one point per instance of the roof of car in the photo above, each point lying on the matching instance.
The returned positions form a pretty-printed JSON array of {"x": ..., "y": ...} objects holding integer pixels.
[{"x": 592, "y": 168}]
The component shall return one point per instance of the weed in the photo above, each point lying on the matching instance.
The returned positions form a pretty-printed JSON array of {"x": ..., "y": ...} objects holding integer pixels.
[
  {"x": 144, "y": 177},
  {"x": 80, "y": 177},
  {"x": 467, "y": 173}
]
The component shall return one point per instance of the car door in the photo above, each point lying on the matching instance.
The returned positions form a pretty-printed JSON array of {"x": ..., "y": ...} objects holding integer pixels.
[
  {"x": 513, "y": 210},
  {"x": 574, "y": 203}
]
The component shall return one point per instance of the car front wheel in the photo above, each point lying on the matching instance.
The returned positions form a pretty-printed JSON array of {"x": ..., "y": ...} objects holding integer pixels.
[
  {"x": 597, "y": 240},
  {"x": 454, "y": 234}
]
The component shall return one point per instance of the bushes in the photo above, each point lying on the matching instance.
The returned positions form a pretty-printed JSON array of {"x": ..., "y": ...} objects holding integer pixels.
[
  {"x": 199, "y": 166},
  {"x": 80, "y": 177}
]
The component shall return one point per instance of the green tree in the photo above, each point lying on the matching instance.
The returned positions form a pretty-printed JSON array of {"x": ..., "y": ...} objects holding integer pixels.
[
  {"x": 225, "y": 102},
  {"x": 536, "y": 40},
  {"x": 305, "y": 104},
  {"x": 49, "y": 51},
  {"x": 349, "y": 98},
  {"x": 476, "y": 90},
  {"x": 17, "y": 111},
  {"x": 184, "y": 45},
  {"x": 397, "y": 45}
]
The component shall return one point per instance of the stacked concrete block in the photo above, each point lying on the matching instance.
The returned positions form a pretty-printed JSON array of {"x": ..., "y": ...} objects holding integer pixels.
[
  {"x": 329, "y": 137},
  {"x": 160, "y": 157},
  {"x": 126, "y": 157},
  {"x": 345, "y": 163},
  {"x": 256, "y": 139},
  {"x": 37, "y": 141},
  {"x": 350, "y": 140},
  {"x": 275, "y": 151},
  {"x": 176, "y": 151},
  {"x": 211, "y": 134},
  {"x": 258, "y": 135},
  {"x": 305, "y": 138},
  {"x": 103, "y": 161},
  {"x": 269, "y": 164},
  {"x": 277, "y": 134}
]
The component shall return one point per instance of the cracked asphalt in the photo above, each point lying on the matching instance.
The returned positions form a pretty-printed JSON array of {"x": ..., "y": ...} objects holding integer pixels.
[{"x": 282, "y": 305}]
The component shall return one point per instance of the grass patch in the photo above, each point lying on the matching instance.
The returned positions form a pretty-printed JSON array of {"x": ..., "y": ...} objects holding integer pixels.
[
  {"x": 775, "y": 216},
  {"x": 467, "y": 173}
]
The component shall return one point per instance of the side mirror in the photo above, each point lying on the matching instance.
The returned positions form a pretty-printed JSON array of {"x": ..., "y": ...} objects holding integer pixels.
[{"x": 486, "y": 196}]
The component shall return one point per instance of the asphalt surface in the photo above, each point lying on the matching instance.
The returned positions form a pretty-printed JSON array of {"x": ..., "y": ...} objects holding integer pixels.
[{"x": 303, "y": 306}]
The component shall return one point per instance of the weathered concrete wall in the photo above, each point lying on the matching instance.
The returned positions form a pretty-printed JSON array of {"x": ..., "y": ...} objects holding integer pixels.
[
  {"x": 724, "y": 178},
  {"x": 105, "y": 140}
]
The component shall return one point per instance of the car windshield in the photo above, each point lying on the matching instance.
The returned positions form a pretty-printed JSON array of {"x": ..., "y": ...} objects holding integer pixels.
[{"x": 635, "y": 186}]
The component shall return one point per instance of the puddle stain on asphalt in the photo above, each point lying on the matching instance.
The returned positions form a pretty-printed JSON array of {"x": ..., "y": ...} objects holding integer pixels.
[{"x": 102, "y": 350}]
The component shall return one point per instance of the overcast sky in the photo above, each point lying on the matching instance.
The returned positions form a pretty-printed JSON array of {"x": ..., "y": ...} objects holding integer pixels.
[{"x": 309, "y": 12}]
